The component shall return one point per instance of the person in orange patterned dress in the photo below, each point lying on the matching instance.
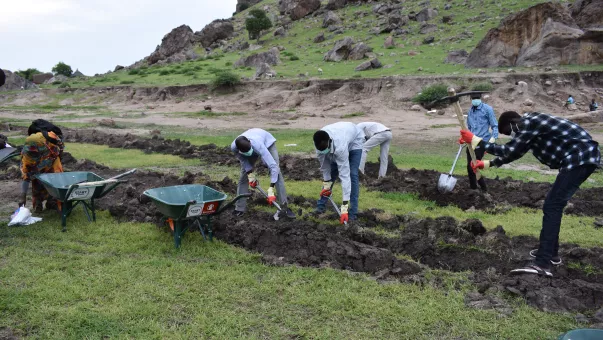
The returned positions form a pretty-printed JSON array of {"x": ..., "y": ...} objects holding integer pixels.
[{"x": 41, "y": 154}]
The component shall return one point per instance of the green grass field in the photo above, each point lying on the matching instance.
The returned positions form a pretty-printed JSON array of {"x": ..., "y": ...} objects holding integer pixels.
[{"x": 110, "y": 280}]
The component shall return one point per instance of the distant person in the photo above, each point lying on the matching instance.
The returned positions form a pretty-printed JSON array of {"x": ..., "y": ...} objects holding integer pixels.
[
  {"x": 248, "y": 148},
  {"x": 593, "y": 106},
  {"x": 339, "y": 150},
  {"x": 481, "y": 121},
  {"x": 2, "y": 77},
  {"x": 570, "y": 101},
  {"x": 376, "y": 134},
  {"x": 558, "y": 143}
]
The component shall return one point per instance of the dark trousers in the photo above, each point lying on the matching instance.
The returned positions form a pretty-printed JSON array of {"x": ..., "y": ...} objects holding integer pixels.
[
  {"x": 565, "y": 186},
  {"x": 479, "y": 154}
]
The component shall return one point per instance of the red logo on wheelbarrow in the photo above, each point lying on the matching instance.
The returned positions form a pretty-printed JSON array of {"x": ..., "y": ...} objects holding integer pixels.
[{"x": 206, "y": 208}]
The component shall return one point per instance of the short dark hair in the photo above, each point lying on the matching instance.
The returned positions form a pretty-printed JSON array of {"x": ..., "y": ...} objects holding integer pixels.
[
  {"x": 505, "y": 120},
  {"x": 2, "y": 77},
  {"x": 320, "y": 137},
  {"x": 243, "y": 144},
  {"x": 476, "y": 95}
]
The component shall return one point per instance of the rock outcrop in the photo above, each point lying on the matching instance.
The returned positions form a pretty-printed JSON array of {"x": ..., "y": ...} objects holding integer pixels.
[
  {"x": 331, "y": 18},
  {"x": 297, "y": 9},
  {"x": 426, "y": 14},
  {"x": 340, "y": 51},
  {"x": 15, "y": 82},
  {"x": 588, "y": 13},
  {"x": 178, "y": 40},
  {"x": 369, "y": 65},
  {"x": 271, "y": 57},
  {"x": 456, "y": 57},
  {"x": 542, "y": 35},
  {"x": 336, "y": 4},
  {"x": 359, "y": 51},
  {"x": 215, "y": 31},
  {"x": 264, "y": 70},
  {"x": 41, "y": 78}
]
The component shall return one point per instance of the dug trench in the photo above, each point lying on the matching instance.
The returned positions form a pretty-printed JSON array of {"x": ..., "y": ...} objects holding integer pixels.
[
  {"x": 509, "y": 193},
  {"x": 441, "y": 243}
]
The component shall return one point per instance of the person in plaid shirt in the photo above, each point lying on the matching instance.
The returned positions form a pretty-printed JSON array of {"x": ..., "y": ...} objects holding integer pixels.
[{"x": 558, "y": 143}]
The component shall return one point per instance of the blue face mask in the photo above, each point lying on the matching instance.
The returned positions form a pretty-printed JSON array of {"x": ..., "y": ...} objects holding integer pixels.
[
  {"x": 248, "y": 153},
  {"x": 476, "y": 102},
  {"x": 323, "y": 152}
]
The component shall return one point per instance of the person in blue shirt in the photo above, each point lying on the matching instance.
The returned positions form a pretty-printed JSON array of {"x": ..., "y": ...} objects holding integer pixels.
[
  {"x": 482, "y": 122},
  {"x": 570, "y": 101},
  {"x": 593, "y": 106}
]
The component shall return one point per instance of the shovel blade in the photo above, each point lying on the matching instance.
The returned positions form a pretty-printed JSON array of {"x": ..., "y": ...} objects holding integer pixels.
[{"x": 446, "y": 183}]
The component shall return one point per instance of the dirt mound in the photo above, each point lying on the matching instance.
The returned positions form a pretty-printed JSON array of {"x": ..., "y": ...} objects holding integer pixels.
[{"x": 508, "y": 192}]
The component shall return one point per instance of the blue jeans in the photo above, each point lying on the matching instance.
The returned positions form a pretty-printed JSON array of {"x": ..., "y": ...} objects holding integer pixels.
[
  {"x": 565, "y": 186},
  {"x": 354, "y": 158}
]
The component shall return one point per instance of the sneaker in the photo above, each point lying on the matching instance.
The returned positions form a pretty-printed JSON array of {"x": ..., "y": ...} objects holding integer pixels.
[
  {"x": 555, "y": 260},
  {"x": 237, "y": 213},
  {"x": 287, "y": 212},
  {"x": 533, "y": 269}
]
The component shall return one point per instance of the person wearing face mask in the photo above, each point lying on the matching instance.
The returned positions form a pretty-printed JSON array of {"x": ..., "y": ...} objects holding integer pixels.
[
  {"x": 248, "y": 147},
  {"x": 339, "y": 150},
  {"x": 558, "y": 143},
  {"x": 481, "y": 121}
]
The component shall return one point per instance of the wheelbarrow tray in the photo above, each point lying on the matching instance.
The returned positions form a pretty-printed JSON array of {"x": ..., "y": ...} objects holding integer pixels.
[
  {"x": 58, "y": 185},
  {"x": 7, "y": 153},
  {"x": 186, "y": 201}
]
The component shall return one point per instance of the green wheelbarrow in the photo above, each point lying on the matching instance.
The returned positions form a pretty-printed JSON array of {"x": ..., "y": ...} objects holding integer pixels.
[
  {"x": 8, "y": 153},
  {"x": 583, "y": 334},
  {"x": 73, "y": 188},
  {"x": 190, "y": 207}
]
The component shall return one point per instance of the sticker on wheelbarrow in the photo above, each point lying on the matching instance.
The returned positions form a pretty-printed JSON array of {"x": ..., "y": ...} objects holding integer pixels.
[
  {"x": 206, "y": 208},
  {"x": 81, "y": 194}
]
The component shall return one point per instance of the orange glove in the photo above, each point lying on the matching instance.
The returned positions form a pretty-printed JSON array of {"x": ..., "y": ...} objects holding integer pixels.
[
  {"x": 344, "y": 218},
  {"x": 480, "y": 165},
  {"x": 271, "y": 197},
  {"x": 253, "y": 182},
  {"x": 326, "y": 189},
  {"x": 466, "y": 137}
]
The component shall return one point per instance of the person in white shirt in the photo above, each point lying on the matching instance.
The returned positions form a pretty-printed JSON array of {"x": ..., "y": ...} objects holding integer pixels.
[
  {"x": 339, "y": 149},
  {"x": 376, "y": 134},
  {"x": 249, "y": 147}
]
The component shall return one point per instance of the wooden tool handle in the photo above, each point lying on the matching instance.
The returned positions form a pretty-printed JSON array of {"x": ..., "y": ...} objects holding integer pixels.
[{"x": 459, "y": 115}]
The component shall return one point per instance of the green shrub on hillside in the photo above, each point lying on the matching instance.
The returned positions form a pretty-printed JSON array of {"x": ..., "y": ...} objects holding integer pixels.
[
  {"x": 28, "y": 74},
  {"x": 134, "y": 72},
  {"x": 62, "y": 68},
  {"x": 256, "y": 22},
  {"x": 430, "y": 93},
  {"x": 124, "y": 82},
  {"x": 64, "y": 86},
  {"x": 225, "y": 79},
  {"x": 482, "y": 87},
  {"x": 293, "y": 58},
  {"x": 164, "y": 72}
]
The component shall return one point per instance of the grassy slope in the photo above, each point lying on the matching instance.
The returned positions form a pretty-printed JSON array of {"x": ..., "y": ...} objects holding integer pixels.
[{"x": 299, "y": 42}]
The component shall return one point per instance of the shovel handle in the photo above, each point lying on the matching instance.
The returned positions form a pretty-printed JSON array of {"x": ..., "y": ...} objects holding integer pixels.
[
  {"x": 459, "y": 116},
  {"x": 278, "y": 207}
]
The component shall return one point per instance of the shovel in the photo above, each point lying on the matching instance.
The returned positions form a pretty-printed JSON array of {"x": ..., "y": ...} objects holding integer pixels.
[
  {"x": 447, "y": 182},
  {"x": 333, "y": 202},
  {"x": 278, "y": 207}
]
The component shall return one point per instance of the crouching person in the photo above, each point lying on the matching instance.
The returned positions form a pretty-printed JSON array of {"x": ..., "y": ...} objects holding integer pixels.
[
  {"x": 339, "y": 149},
  {"x": 40, "y": 155},
  {"x": 555, "y": 142},
  {"x": 249, "y": 147}
]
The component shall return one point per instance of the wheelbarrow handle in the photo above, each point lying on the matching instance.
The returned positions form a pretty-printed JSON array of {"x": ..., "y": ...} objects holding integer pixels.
[
  {"x": 229, "y": 204},
  {"x": 127, "y": 173}
]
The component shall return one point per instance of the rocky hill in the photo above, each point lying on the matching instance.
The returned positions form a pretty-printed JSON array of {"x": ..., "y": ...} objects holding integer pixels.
[{"x": 344, "y": 39}]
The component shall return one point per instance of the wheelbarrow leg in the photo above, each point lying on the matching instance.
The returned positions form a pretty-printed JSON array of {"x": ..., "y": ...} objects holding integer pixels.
[
  {"x": 93, "y": 211},
  {"x": 209, "y": 230},
  {"x": 178, "y": 233},
  {"x": 86, "y": 211},
  {"x": 65, "y": 210}
]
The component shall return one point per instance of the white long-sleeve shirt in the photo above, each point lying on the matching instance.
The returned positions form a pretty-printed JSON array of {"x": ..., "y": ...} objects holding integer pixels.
[
  {"x": 345, "y": 137},
  {"x": 260, "y": 140},
  {"x": 372, "y": 128}
]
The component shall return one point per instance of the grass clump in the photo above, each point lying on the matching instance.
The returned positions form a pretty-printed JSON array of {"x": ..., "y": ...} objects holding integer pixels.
[
  {"x": 355, "y": 114},
  {"x": 225, "y": 79},
  {"x": 430, "y": 93},
  {"x": 482, "y": 87},
  {"x": 134, "y": 72},
  {"x": 125, "y": 82},
  {"x": 164, "y": 72}
]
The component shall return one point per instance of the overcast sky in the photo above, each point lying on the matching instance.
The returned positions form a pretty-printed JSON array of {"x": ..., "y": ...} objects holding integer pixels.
[{"x": 95, "y": 35}]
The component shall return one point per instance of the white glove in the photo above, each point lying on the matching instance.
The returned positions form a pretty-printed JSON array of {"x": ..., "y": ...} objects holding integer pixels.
[{"x": 492, "y": 140}]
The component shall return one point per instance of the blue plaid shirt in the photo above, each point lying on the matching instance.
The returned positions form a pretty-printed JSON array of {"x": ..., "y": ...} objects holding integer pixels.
[
  {"x": 556, "y": 142},
  {"x": 479, "y": 121}
]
